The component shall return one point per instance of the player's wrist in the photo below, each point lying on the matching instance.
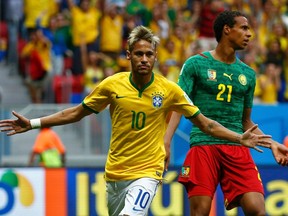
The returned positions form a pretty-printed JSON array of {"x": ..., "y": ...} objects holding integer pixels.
[
  {"x": 35, "y": 123},
  {"x": 239, "y": 138}
]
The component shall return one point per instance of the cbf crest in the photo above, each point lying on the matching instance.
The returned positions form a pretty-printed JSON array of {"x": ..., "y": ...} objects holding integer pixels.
[
  {"x": 157, "y": 99},
  {"x": 211, "y": 74}
]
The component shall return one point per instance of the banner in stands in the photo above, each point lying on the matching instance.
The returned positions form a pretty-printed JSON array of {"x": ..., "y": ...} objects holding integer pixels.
[{"x": 82, "y": 192}]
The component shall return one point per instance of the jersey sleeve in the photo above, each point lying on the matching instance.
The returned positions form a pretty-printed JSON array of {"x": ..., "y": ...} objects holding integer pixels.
[
  {"x": 248, "y": 100},
  {"x": 186, "y": 77},
  {"x": 182, "y": 103},
  {"x": 100, "y": 97}
]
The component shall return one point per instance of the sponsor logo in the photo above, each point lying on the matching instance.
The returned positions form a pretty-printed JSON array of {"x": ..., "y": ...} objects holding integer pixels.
[
  {"x": 118, "y": 96},
  {"x": 13, "y": 184},
  {"x": 158, "y": 173},
  {"x": 229, "y": 76}
]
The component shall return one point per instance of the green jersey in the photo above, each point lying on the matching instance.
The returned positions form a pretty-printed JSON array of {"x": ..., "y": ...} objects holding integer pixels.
[
  {"x": 221, "y": 91},
  {"x": 139, "y": 119}
]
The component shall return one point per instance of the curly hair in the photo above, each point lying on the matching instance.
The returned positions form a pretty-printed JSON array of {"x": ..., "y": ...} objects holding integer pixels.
[{"x": 225, "y": 18}]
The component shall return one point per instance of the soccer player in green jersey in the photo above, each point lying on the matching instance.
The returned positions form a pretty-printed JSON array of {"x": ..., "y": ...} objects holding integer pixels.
[
  {"x": 140, "y": 103},
  {"x": 222, "y": 87}
]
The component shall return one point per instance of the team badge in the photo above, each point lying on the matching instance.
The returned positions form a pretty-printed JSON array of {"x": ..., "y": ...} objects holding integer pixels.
[
  {"x": 242, "y": 79},
  {"x": 211, "y": 75},
  {"x": 185, "y": 171},
  {"x": 157, "y": 100}
]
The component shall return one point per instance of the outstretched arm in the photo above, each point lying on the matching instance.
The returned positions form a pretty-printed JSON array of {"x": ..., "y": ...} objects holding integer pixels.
[
  {"x": 213, "y": 128},
  {"x": 22, "y": 124},
  {"x": 280, "y": 152}
]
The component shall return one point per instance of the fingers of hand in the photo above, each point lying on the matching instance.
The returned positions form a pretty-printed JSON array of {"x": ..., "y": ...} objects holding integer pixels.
[
  {"x": 7, "y": 129},
  {"x": 283, "y": 162},
  {"x": 258, "y": 149},
  {"x": 253, "y": 127},
  {"x": 265, "y": 136}
]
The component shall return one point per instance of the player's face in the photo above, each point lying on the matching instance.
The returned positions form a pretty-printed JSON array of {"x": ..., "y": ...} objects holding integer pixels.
[
  {"x": 142, "y": 57},
  {"x": 240, "y": 34}
]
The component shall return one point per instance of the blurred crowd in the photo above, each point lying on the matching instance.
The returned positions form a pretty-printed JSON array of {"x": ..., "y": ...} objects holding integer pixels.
[{"x": 63, "y": 48}]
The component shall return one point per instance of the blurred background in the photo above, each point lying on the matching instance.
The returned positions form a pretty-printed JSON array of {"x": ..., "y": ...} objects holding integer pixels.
[{"x": 54, "y": 52}]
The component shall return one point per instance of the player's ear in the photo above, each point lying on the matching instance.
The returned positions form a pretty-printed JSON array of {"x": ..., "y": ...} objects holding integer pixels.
[
  {"x": 226, "y": 29},
  {"x": 128, "y": 55}
]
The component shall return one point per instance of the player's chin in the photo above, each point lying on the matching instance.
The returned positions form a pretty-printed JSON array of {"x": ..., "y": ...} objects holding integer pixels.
[
  {"x": 244, "y": 45},
  {"x": 144, "y": 71},
  {"x": 240, "y": 47}
]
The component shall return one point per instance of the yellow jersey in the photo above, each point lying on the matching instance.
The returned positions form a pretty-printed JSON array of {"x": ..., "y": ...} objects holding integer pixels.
[{"x": 139, "y": 122}]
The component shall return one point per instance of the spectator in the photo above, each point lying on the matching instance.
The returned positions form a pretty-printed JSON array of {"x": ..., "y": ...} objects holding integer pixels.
[
  {"x": 93, "y": 72},
  {"x": 49, "y": 148},
  {"x": 269, "y": 15},
  {"x": 111, "y": 32},
  {"x": 38, "y": 13},
  {"x": 36, "y": 55},
  {"x": 85, "y": 24},
  {"x": 160, "y": 22},
  {"x": 58, "y": 41},
  {"x": 269, "y": 83},
  {"x": 168, "y": 56},
  {"x": 210, "y": 10},
  {"x": 13, "y": 15},
  {"x": 277, "y": 56}
]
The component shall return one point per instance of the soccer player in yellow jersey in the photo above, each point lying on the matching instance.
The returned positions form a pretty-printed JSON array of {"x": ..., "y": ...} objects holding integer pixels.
[{"x": 139, "y": 102}]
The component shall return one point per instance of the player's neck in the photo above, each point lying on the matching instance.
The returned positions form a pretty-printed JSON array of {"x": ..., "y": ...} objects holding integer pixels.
[
  {"x": 141, "y": 80},
  {"x": 224, "y": 54}
]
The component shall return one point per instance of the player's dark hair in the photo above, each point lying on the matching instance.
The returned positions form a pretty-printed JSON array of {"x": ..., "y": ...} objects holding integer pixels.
[
  {"x": 142, "y": 33},
  {"x": 225, "y": 18}
]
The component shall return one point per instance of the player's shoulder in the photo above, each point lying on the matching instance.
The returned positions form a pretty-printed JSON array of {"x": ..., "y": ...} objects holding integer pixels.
[
  {"x": 162, "y": 82},
  {"x": 119, "y": 76},
  {"x": 159, "y": 78},
  {"x": 243, "y": 64},
  {"x": 198, "y": 58},
  {"x": 245, "y": 67}
]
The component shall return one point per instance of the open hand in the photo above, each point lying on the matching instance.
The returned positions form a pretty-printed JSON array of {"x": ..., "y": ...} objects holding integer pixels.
[
  {"x": 20, "y": 125},
  {"x": 252, "y": 140},
  {"x": 280, "y": 153}
]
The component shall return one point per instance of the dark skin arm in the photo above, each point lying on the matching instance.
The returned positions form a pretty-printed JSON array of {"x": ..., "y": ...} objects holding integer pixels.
[
  {"x": 213, "y": 128},
  {"x": 280, "y": 152}
]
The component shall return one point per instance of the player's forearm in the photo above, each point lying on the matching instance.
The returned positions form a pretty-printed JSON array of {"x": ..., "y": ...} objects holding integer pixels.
[
  {"x": 63, "y": 117},
  {"x": 219, "y": 131},
  {"x": 172, "y": 126}
]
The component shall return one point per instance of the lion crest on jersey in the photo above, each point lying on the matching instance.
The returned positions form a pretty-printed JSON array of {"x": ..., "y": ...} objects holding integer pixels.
[{"x": 157, "y": 100}]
